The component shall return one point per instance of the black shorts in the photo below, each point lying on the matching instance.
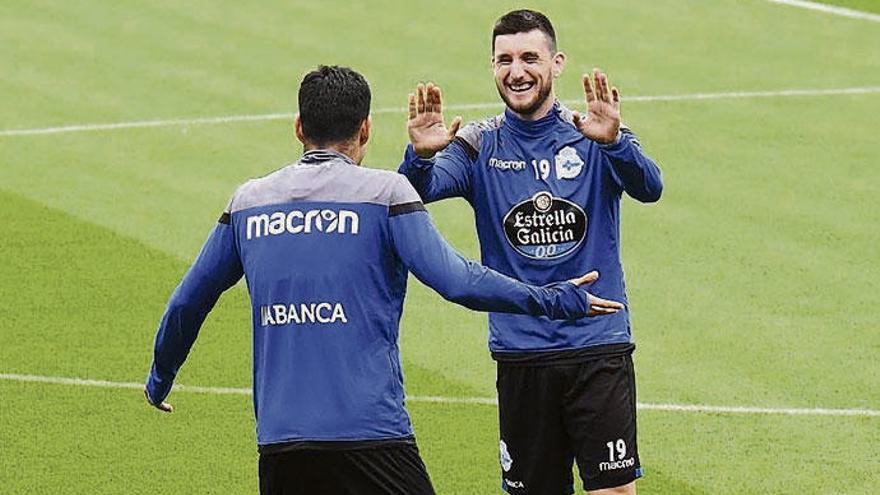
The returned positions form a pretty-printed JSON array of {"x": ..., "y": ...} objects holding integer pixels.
[
  {"x": 553, "y": 413},
  {"x": 392, "y": 469}
]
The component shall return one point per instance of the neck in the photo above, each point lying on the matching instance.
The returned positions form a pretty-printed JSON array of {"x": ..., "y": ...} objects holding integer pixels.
[
  {"x": 541, "y": 112},
  {"x": 348, "y": 148}
]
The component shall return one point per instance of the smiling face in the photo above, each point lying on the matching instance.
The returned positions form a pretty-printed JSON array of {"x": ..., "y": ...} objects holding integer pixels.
[{"x": 525, "y": 67}]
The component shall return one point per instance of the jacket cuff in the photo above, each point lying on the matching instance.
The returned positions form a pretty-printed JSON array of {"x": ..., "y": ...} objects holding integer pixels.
[
  {"x": 416, "y": 161},
  {"x": 618, "y": 144}
]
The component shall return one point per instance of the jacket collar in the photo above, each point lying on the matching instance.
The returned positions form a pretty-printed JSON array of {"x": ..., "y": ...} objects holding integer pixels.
[
  {"x": 538, "y": 127},
  {"x": 320, "y": 157}
]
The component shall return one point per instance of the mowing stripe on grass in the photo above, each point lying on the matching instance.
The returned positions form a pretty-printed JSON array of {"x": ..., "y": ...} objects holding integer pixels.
[
  {"x": 830, "y": 9},
  {"x": 695, "y": 408},
  {"x": 230, "y": 119}
]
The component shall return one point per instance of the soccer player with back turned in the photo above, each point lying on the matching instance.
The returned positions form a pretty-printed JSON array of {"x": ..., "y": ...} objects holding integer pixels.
[
  {"x": 325, "y": 247},
  {"x": 545, "y": 184}
]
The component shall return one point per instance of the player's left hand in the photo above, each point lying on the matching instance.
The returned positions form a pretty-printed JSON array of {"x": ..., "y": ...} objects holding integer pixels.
[
  {"x": 602, "y": 121},
  {"x": 162, "y": 406},
  {"x": 598, "y": 306}
]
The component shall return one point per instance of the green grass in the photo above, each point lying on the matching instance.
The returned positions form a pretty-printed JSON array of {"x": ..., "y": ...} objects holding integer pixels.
[{"x": 752, "y": 282}]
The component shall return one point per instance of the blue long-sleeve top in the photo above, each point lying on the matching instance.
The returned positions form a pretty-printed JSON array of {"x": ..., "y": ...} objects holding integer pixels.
[
  {"x": 325, "y": 247},
  {"x": 546, "y": 202}
]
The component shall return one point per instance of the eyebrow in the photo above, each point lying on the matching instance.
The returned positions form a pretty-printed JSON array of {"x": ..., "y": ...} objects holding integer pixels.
[{"x": 522, "y": 55}]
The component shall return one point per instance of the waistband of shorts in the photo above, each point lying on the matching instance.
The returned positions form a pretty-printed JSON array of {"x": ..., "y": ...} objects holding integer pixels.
[
  {"x": 563, "y": 356},
  {"x": 331, "y": 445}
]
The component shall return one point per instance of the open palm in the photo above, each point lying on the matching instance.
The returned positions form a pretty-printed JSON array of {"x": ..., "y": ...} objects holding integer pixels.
[
  {"x": 602, "y": 121},
  {"x": 427, "y": 130}
]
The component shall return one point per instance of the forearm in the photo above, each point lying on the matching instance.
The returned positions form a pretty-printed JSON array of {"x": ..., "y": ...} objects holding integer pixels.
[
  {"x": 634, "y": 171},
  {"x": 186, "y": 312},
  {"x": 436, "y": 264},
  {"x": 445, "y": 175},
  {"x": 216, "y": 268}
]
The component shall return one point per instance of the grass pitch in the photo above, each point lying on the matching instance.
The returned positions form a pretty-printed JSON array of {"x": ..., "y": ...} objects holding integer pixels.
[{"x": 753, "y": 282}]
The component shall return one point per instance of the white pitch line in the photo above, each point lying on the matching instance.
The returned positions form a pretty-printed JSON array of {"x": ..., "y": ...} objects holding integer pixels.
[
  {"x": 829, "y": 9},
  {"x": 490, "y": 401},
  {"x": 229, "y": 119}
]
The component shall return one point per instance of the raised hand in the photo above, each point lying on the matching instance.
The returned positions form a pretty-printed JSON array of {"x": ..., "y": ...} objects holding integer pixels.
[
  {"x": 598, "y": 306},
  {"x": 427, "y": 131},
  {"x": 602, "y": 121}
]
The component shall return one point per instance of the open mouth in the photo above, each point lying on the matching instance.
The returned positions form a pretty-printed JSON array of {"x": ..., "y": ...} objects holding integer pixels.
[{"x": 520, "y": 87}]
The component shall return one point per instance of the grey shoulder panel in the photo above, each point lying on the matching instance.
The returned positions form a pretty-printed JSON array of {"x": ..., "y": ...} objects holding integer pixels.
[
  {"x": 626, "y": 131},
  {"x": 472, "y": 134},
  {"x": 403, "y": 192},
  {"x": 334, "y": 181},
  {"x": 566, "y": 114}
]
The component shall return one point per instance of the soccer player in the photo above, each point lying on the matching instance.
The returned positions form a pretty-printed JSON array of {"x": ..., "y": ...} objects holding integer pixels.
[
  {"x": 325, "y": 247},
  {"x": 545, "y": 184}
]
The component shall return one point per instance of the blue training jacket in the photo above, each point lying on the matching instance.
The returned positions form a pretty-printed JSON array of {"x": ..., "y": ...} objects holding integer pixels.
[
  {"x": 546, "y": 202},
  {"x": 325, "y": 247}
]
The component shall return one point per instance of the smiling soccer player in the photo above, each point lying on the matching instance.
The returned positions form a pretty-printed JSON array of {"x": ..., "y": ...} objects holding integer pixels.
[
  {"x": 326, "y": 246},
  {"x": 545, "y": 184}
]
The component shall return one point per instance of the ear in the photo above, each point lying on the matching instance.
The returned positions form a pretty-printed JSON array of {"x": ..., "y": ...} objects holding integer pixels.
[
  {"x": 364, "y": 134},
  {"x": 298, "y": 129},
  {"x": 558, "y": 64}
]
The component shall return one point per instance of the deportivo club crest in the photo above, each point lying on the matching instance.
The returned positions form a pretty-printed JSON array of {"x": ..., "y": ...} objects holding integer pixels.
[
  {"x": 544, "y": 227},
  {"x": 568, "y": 163}
]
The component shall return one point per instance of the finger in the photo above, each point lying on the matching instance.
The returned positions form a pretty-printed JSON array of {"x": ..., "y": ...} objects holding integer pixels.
[
  {"x": 615, "y": 95},
  {"x": 579, "y": 119},
  {"x": 600, "y": 311},
  {"x": 585, "y": 279},
  {"x": 588, "y": 89},
  {"x": 420, "y": 98},
  {"x": 604, "y": 303},
  {"x": 601, "y": 85},
  {"x": 429, "y": 98},
  {"x": 453, "y": 127},
  {"x": 438, "y": 100},
  {"x": 606, "y": 86},
  {"x": 412, "y": 106}
]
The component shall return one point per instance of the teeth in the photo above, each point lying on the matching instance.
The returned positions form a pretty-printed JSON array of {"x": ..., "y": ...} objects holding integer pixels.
[{"x": 521, "y": 87}]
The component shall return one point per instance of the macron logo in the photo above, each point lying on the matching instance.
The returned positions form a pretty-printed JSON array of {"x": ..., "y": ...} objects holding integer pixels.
[{"x": 303, "y": 222}]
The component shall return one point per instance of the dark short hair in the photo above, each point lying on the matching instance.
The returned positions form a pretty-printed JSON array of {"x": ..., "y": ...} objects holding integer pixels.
[
  {"x": 333, "y": 103},
  {"x": 523, "y": 21}
]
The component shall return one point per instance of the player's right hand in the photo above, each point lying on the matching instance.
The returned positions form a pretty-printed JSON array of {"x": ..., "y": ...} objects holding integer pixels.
[
  {"x": 427, "y": 130},
  {"x": 162, "y": 406},
  {"x": 598, "y": 306}
]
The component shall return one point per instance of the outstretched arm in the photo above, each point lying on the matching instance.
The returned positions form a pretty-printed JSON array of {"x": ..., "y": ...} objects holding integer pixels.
[
  {"x": 631, "y": 169},
  {"x": 216, "y": 269},
  {"x": 436, "y": 164},
  {"x": 436, "y": 264}
]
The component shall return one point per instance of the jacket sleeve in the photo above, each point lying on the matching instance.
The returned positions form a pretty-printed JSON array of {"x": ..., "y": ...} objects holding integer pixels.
[
  {"x": 446, "y": 175},
  {"x": 216, "y": 269},
  {"x": 467, "y": 283},
  {"x": 632, "y": 170}
]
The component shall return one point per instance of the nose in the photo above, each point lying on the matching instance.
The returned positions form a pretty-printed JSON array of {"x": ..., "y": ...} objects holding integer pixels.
[{"x": 517, "y": 70}]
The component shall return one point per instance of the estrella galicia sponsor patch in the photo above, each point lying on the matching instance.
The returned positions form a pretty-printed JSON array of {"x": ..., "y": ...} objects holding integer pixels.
[{"x": 544, "y": 227}]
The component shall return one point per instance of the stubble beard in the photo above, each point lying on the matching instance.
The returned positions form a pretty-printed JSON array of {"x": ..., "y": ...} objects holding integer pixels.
[{"x": 527, "y": 109}]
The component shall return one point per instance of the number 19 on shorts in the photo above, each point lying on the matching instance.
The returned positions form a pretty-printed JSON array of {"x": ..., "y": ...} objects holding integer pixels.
[{"x": 616, "y": 449}]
